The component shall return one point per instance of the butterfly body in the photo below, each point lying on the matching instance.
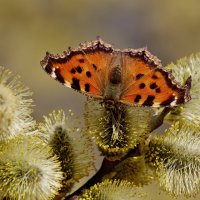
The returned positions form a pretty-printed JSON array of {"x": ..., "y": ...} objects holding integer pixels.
[
  {"x": 129, "y": 76},
  {"x": 113, "y": 88}
]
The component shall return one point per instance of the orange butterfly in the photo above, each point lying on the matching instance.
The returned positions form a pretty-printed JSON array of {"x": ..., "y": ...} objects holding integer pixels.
[{"x": 129, "y": 76}]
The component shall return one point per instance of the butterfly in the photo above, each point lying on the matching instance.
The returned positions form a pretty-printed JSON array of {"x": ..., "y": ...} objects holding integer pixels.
[{"x": 128, "y": 76}]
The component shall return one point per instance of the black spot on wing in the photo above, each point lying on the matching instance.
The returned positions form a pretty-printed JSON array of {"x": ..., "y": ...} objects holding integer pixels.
[
  {"x": 94, "y": 66},
  {"x": 81, "y": 60},
  {"x": 87, "y": 87},
  {"x": 59, "y": 77},
  {"x": 153, "y": 86},
  {"x": 75, "y": 84},
  {"x": 142, "y": 85},
  {"x": 79, "y": 69},
  {"x": 157, "y": 90},
  {"x": 88, "y": 74},
  {"x": 137, "y": 98},
  {"x": 154, "y": 77},
  {"x": 138, "y": 76},
  {"x": 149, "y": 101},
  {"x": 73, "y": 71},
  {"x": 168, "y": 101}
]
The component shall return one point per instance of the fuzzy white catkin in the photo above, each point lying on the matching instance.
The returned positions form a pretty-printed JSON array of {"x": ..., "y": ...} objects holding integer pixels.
[
  {"x": 182, "y": 69},
  {"x": 28, "y": 170},
  {"x": 116, "y": 137},
  {"x": 63, "y": 132},
  {"x": 176, "y": 159},
  {"x": 15, "y": 106}
]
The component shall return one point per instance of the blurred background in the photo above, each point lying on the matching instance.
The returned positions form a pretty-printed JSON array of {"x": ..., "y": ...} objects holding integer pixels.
[{"x": 169, "y": 29}]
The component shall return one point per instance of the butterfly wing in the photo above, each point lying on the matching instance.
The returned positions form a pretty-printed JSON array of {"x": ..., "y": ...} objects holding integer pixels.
[
  {"x": 84, "y": 69},
  {"x": 147, "y": 83}
]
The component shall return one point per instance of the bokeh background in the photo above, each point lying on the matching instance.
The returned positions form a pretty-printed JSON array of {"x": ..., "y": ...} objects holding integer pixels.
[{"x": 169, "y": 29}]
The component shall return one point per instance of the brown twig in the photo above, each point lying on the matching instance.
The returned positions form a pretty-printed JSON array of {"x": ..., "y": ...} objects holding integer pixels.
[{"x": 157, "y": 121}]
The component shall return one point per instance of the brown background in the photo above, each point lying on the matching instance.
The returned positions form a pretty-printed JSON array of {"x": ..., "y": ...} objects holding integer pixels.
[{"x": 170, "y": 29}]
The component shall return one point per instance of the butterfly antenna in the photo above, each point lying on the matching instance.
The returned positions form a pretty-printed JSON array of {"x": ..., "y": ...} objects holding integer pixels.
[{"x": 99, "y": 38}]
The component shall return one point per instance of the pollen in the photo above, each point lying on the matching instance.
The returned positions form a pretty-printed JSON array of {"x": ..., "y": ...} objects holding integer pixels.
[{"x": 112, "y": 189}]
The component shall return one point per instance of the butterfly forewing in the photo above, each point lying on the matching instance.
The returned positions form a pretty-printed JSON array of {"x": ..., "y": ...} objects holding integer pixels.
[
  {"x": 84, "y": 69},
  {"x": 148, "y": 83}
]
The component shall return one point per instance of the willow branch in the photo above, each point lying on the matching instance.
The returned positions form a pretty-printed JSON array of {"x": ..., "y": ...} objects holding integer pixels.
[{"x": 157, "y": 121}]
